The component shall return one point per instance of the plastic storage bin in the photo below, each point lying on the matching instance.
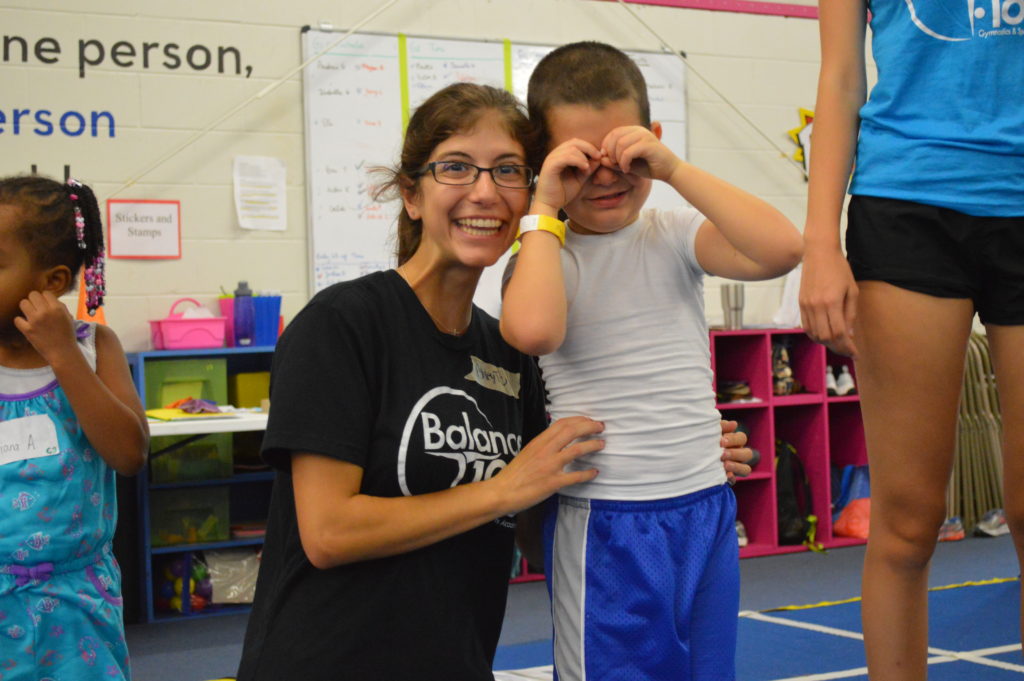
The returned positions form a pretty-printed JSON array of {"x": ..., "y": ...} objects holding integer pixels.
[
  {"x": 189, "y": 516},
  {"x": 203, "y": 459},
  {"x": 168, "y": 380},
  {"x": 249, "y": 389},
  {"x": 177, "y": 333}
]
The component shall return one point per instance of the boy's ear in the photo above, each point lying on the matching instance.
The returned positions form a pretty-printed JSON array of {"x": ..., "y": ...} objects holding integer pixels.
[
  {"x": 656, "y": 129},
  {"x": 58, "y": 280}
]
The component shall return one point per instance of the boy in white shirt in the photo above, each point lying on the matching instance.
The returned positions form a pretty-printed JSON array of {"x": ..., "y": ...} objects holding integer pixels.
[{"x": 642, "y": 560}]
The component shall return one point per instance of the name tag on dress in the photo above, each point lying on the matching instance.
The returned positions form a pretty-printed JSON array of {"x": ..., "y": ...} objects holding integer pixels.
[{"x": 28, "y": 437}]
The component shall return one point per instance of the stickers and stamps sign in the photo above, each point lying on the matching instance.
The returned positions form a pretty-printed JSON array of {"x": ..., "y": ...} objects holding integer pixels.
[{"x": 143, "y": 229}]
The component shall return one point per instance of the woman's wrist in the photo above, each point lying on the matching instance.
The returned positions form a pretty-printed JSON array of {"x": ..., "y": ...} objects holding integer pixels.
[{"x": 817, "y": 244}]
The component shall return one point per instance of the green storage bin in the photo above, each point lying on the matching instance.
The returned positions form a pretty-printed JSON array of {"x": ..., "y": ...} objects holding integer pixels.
[
  {"x": 203, "y": 459},
  {"x": 196, "y": 515},
  {"x": 168, "y": 380}
]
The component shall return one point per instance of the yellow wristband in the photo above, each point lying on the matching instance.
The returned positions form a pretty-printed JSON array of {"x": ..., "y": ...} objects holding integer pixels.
[{"x": 546, "y": 223}]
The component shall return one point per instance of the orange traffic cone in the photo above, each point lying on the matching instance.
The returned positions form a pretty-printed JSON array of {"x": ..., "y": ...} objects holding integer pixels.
[{"x": 83, "y": 312}]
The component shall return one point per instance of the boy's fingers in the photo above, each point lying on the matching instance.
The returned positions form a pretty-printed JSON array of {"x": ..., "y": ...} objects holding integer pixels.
[{"x": 586, "y": 147}]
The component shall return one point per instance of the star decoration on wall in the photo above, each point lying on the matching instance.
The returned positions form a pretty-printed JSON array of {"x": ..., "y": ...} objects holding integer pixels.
[{"x": 801, "y": 136}]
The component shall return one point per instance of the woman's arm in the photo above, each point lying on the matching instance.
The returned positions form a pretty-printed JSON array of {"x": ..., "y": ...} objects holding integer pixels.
[
  {"x": 338, "y": 525},
  {"x": 828, "y": 293}
]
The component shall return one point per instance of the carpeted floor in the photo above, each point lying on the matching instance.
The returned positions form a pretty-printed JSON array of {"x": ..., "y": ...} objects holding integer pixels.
[{"x": 812, "y": 644}]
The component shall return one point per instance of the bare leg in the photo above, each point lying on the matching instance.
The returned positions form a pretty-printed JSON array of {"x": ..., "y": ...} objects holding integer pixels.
[
  {"x": 909, "y": 373},
  {"x": 1005, "y": 343}
]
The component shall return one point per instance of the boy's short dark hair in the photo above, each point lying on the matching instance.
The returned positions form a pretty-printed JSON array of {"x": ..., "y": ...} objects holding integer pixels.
[{"x": 587, "y": 72}]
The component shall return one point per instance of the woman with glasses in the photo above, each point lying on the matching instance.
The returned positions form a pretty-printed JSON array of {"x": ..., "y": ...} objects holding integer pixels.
[{"x": 407, "y": 434}]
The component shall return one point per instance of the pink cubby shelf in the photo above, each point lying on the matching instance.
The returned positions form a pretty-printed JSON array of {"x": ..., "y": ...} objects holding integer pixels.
[{"x": 825, "y": 430}]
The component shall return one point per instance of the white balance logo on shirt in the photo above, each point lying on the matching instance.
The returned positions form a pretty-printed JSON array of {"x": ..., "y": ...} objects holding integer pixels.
[
  {"x": 982, "y": 18},
  {"x": 28, "y": 437},
  {"x": 448, "y": 423}
]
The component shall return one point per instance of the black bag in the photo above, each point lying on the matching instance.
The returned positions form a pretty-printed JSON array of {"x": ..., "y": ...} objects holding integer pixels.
[{"x": 793, "y": 496}]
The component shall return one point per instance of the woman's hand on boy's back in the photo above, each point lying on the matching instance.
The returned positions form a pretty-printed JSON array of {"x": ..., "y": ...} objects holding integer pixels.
[
  {"x": 638, "y": 150},
  {"x": 47, "y": 324},
  {"x": 539, "y": 469},
  {"x": 563, "y": 174}
]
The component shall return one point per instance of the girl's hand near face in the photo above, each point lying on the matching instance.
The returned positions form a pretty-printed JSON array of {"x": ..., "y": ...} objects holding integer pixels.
[
  {"x": 563, "y": 174},
  {"x": 637, "y": 150},
  {"x": 47, "y": 324}
]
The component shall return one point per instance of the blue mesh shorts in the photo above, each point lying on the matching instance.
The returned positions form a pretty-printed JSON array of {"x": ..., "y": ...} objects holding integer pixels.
[{"x": 644, "y": 590}]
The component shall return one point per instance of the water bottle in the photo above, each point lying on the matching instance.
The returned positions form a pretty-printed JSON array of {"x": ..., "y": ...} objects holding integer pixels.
[{"x": 245, "y": 322}]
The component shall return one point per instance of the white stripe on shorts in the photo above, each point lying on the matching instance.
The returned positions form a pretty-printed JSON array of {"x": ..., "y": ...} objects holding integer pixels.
[{"x": 569, "y": 587}]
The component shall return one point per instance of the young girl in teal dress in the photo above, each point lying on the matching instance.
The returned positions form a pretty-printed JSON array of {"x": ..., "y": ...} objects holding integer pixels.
[{"x": 69, "y": 418}]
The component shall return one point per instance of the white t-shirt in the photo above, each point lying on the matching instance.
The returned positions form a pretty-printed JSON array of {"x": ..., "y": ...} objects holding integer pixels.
[{"x": 636, "y": 356}]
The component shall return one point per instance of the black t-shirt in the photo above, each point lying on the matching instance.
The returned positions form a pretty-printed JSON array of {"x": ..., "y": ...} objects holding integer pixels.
[{"x": 362, "y": 375}]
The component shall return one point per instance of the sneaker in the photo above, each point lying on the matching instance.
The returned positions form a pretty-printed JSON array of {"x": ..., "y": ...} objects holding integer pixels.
[
  {"x": 992, "y": 524},
  {"x": 741, "y": 533},
  {"x": 733, "y": 391},
  {"x": 844, "y": 384},
  {"x": 952, "y": 530},
  {"x": 830, "y": 382}
]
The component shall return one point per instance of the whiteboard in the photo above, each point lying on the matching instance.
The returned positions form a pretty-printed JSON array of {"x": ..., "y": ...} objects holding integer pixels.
[{"x": 357, "y": 97}]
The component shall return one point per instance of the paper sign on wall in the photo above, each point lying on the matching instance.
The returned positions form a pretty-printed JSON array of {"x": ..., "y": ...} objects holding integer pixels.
[
  {"x": 260, "y": 192},
  {"x": 144, "y": 229}
]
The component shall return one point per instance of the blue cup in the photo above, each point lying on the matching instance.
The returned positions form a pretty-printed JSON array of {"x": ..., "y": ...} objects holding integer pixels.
[{"x": 268, "y": 314}]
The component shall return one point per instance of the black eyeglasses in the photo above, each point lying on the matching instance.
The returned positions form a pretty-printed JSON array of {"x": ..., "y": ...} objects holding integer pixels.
[{"x": 509, "y": 175}]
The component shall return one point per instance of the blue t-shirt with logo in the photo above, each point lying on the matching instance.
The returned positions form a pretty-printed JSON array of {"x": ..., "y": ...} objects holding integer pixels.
[{"x": 944, "y": 125}]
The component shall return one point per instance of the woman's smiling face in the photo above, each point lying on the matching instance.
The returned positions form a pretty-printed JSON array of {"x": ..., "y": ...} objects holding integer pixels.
[{"x": 472, "y": 224}]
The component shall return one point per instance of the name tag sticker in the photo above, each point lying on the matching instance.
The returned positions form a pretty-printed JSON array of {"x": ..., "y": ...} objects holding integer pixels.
[
  {"x": 494, "y": 377},
  {"x": 28, "y": 437}
]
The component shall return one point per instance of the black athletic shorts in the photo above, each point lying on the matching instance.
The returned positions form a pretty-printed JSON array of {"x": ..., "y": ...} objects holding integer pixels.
[{"x": 940, "y": 252}]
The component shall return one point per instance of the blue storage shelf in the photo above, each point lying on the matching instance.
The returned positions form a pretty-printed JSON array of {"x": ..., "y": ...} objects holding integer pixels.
[
  {"x": 238, "y": 359},
  {"x": 208, "y": 546}
]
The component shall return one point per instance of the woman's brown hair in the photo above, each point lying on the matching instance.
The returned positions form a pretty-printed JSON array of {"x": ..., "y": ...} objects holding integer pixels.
[{"x": 451, "y": 110}]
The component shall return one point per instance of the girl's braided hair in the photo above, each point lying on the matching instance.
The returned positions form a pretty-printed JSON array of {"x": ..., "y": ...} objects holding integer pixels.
[{"x": 60, "y": 225}]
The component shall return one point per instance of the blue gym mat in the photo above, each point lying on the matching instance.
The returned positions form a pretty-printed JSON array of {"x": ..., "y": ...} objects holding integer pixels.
[{"x": 974, "y": 634}]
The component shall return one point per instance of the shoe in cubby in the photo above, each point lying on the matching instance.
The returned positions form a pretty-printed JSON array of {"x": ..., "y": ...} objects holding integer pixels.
[
  {"x": 844, "y": 383},
  {"x": 741, "y": 533},
  {"x": 830, "y": 382}
]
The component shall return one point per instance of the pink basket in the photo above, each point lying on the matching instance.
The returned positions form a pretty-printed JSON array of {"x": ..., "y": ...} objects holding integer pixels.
[{"x": 175, "y": 333}]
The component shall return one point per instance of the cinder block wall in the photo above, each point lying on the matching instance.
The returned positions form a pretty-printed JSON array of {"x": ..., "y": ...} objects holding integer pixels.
[{"x": 154, "y": 81}]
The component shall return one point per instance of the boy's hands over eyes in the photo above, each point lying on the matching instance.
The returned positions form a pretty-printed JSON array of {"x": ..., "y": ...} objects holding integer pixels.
[
  {"x": 637, "y": 150},
  {"x": 563, "y": 174}
]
